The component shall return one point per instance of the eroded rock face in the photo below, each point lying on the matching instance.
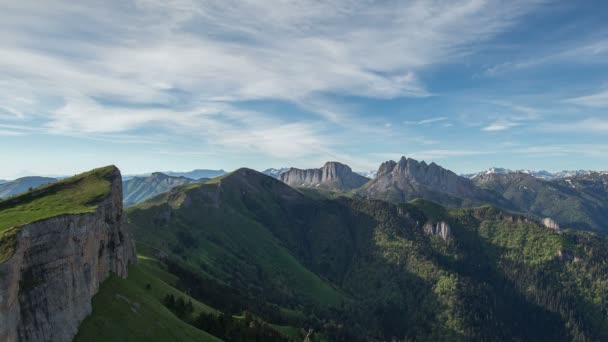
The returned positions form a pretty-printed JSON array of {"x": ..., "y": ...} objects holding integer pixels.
[
  {"x": 47, "y": 285},
  {"x": 332, "y": 175},
  {"x": 440, "y": 229},
  {"x": 551, "y": 224},
  {"x": 409, "y": 179}
]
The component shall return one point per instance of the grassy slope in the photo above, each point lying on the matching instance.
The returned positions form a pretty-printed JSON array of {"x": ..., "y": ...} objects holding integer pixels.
[
  {"x": 117, "y": 317},
  {"x": 224, "y": 242},
  {"x": 75, "y": 195},
  {"x": 223, "y": 238}
]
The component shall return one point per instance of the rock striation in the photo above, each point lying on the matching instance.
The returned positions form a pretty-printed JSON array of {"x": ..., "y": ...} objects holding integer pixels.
[
  {"x": 440, "y": 229},
  {"x": 58, "y": 265},
  {"x": 409, "y": 179},
  {"x": 332, "y": 175}
]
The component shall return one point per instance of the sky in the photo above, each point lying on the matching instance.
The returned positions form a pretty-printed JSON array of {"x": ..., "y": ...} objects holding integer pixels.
[{"x": 178, "y": 85}]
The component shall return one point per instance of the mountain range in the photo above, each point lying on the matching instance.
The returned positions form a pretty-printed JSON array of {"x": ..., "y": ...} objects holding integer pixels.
[
  {"x": 245, "y": 257},
  {"x": 359, "y": 269},
  {"x": 194, "y": 174},
  {"x": 537, "y": 174},
  {"x": 17, "y": 186},
  {"x": 139, "y": 189}
]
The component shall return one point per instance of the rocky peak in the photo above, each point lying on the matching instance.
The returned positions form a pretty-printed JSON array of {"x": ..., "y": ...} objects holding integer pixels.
[
  {"x": 408, "y": 179},
  {"x": 333, "y": 175},
  {"x": 386, "y": 168}
]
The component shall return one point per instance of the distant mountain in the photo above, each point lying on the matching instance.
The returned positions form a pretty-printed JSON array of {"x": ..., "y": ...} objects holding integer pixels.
[
  {"x": 194, "y": 174},
  {"x": 332, "y": 175},
  {"x": 579, "y": 201},
  {"x": 2, "y": 181},
  {"x": 409, "y": 179},
  {"x": 368, "y": 174},
  {"x": 272, "y": 172},
  {"x": 197, "y": 174},
  {"x": 20, "y": 185},
  {"x": 139, "y": 189},
  {"x": 538, "y": 174}
]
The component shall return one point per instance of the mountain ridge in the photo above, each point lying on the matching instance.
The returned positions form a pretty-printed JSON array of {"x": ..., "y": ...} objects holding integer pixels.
[
  {"x": 414, "y": 270},
  {"x": 333, "y": 175}
]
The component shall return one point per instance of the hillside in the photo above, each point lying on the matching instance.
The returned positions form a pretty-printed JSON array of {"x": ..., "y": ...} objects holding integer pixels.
[
  {"x": 132, "y": 309},
  {"x": 577, "y": 202},
  {"x": 20, "y": 185},
  {"x": 139, "y": 189},
  {"x": 358, "y": 269}
]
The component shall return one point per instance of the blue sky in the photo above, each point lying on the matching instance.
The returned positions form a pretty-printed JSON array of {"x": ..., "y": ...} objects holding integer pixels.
[{"x": 177, "y": 85}]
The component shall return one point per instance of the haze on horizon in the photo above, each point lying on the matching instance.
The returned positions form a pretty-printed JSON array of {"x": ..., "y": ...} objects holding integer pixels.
[{"x": 180, "y": 85}]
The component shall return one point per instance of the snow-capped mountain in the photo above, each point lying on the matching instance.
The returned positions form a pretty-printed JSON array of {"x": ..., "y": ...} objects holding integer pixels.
[
  {"x": 542, "y": 174},
  {"x": 368, "y": 174},
  {"x": 272, "y": 172}
]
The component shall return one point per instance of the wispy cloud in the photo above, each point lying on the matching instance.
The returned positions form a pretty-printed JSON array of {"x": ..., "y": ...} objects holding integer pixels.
[
  {"x": 500, "y": 126},
  {"x": 594, "y": 100},
  {"x": 167, "y": 53},
  {"x": 426, "y": 121},
  {"x": 593, "y": 51}
]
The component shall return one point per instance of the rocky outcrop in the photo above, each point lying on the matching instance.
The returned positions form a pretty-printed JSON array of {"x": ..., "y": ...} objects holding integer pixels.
[
  {"x": 409, "y": 179},
  {"x": 332, "y": 175},
  {"x": 549, "y": 223},
  {"x": 440, "y": 229},
  {"x": 58, "y": 265}
]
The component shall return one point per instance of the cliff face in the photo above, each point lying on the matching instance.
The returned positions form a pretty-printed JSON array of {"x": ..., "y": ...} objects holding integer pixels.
[
  {"x": 332, "y": 175},
  {"x": 409, "y": 179},
  {"x": 47, "y": 285}
]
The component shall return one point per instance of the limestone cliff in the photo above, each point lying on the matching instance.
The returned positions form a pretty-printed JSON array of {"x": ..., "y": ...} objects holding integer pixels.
[
  {"x": 409, "y": 179},
  {"x": 440, "y": 229},
  {"x": 332, "y": 175},
  {"x": 57, "y": 266}
]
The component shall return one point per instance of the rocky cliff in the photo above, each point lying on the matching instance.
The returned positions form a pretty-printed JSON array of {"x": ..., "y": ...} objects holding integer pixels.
[
  {"x": 441, "y": 229},
  {"x": 57, "y": 266},
  {"x": 408, "y": 179},
  {"x": 332, "y": 175}
]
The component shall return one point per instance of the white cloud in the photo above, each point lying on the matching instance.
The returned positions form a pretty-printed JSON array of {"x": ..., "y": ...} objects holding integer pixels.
[
  {"x": 594, "y": 100},
  {"x": 431, "y": 120},
  {"x": 100, "y": 69},
  {"x": 500, "y": 126},
  {"x": 426, "y": 121}
]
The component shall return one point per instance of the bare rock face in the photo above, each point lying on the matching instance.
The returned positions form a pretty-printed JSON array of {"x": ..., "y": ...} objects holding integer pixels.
[
  {"x": 440, "y": 229},
  {"x": 47, "y": 285},
  {"x": 332, "y": 175},
  {"x": 408, "y": 179},
  {"x": 549, "y": 223}
]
